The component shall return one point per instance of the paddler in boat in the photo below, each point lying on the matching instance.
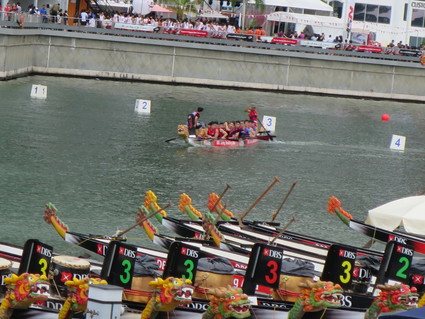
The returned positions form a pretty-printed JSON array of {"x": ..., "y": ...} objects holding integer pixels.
[
  {"x": 252, "y": 113},
  {"x": 193, "y": 123},
  {"x": 235, "y": 130}
]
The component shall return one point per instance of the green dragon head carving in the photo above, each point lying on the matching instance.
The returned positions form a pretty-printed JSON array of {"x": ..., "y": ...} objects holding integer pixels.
[
  {"x": 227, "y": 303},
  {"x": 316, "y": 296},
  {"x": 392, "y": 298}
]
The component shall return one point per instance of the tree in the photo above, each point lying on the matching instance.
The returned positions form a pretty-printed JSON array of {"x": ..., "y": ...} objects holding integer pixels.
[{"x": 181, "y": 6}]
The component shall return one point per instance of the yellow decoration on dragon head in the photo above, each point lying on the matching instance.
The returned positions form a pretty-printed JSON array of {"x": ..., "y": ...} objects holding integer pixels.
[
  {"x": 167, "y": 295},
  {"x": 182, "y": 131},
  {"x": 22, "y": 291}
]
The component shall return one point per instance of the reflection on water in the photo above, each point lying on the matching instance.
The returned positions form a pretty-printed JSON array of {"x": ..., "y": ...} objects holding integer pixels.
[{"x": 87, "y": 151}]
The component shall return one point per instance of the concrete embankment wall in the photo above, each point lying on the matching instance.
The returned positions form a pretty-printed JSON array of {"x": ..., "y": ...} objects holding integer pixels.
[{"x": 24, "y": 52}]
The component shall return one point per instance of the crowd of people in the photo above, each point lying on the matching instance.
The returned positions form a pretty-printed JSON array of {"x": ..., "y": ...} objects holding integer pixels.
[
  {"x": 232, "y": 130},
  {"x": 54, "y": 14}
]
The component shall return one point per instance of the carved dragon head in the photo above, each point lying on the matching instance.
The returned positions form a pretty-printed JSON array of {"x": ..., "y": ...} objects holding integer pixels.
[
  {"x": 394, "y": 297},
  {"x": 26, "y": 289},
  {"x": 228, "y": 303},
  {"x": 171, "y": 292},
  {"x": 319, "y": 295},
  {"x": 182, "y": 131}
]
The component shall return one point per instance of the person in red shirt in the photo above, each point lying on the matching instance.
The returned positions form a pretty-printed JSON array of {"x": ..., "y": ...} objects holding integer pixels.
[
  {"x": 252, "y": 113},
  {"x": 212, "y": 131}
]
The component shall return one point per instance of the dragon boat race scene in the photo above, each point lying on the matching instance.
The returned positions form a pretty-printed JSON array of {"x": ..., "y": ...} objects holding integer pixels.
[{"x": 212, "y": 159}]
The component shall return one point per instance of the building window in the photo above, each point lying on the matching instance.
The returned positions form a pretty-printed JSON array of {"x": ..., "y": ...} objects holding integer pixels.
[
  {"x": 418, "y": 18},
  {"x": 372, "y": 13},
  {"x": 416, "y": 42}
]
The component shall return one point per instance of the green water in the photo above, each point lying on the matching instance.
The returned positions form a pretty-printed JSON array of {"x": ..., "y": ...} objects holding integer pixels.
[{"x": 86, "y": 150}]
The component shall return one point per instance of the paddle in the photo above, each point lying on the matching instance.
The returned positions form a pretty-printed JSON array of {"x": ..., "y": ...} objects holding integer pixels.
[
  {"x": 220, "y": 197},
  {"x": 207, "y": 235},
  {"x": 271, "y": 137},
  {"x": 283, "y": 230},
  {"x": 274, "y": 214},
  {"x": 171, "y": 139},
  {"x": 242, "y": 216},
  {"x": 119, "y": 234},
  {"x": 369, "y": 243}
]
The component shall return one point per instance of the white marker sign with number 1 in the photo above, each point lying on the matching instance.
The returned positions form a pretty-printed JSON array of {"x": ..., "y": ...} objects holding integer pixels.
[
  {"x": 38, "y": 91},
  {"x": 269, "y": 123}
]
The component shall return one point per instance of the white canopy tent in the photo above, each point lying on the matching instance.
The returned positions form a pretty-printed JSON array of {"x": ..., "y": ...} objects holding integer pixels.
[
  {"x": 213, "y": 15},
  {"x": 306, "y": 19},
  {"x": 408, "y": 212},
  {"x": 302, "y": 4}
]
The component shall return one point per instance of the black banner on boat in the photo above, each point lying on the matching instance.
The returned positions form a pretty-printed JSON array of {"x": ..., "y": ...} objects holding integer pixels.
[
  {"x": 118, "y": 265},
  {"x": 264, "y": 268},
  {"x": 36, "y": 258},
  {"x": 339, "y": 265},
  {"x": 396, "y": 263},
  {"x": 239, "y": 36},
  {"x": 182, "y": 261}
]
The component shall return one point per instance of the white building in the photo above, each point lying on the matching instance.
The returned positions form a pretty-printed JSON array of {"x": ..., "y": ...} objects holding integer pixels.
[{"x": 378, "y": 20}]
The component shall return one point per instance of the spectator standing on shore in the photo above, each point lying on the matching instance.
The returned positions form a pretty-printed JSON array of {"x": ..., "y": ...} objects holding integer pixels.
[
  {"x": 83, "y": 17},
  {"x": 43, "y": 13},
  {"x": 54, "y": 12}
]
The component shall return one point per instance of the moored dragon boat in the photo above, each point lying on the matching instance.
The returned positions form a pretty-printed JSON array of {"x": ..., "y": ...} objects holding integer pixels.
[{"x": 355, "y": 304}]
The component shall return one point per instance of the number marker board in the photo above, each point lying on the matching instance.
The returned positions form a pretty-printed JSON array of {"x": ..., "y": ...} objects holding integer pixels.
[
  {"x": 396, "y": 263},
  {"x": 182, "y": 261},
  {"x": 36, "y": 258},
  {"x": 264, "y": 268},
  {"x": 339, "y": 265},
  {"x": 38, "y": 91},
  {"x": 118, "y": 265},
  {"x": 398, "y": 143},
  {"x": 143, "y": 106},
  {"x": 269, "y": 123}
]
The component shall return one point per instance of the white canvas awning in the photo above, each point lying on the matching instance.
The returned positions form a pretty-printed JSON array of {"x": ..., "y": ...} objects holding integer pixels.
[
  {"x": 307, "y": 19},
  {"x": 303, "y": 4},
  {"x": 213, "y": 15},
  {"x": 408, "y": 212}
]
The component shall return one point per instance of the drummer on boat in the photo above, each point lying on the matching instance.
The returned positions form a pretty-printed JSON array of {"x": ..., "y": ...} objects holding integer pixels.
[{"x": 193, "y": 123}]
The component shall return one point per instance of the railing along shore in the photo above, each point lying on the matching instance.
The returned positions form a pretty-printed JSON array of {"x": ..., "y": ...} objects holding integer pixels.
[{"x": 108, "y": 27}]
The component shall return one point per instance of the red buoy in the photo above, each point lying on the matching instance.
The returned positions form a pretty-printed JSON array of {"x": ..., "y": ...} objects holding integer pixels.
[{"x": 385, "y": 117}]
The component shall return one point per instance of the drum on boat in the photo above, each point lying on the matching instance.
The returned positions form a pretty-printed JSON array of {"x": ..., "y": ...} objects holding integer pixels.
[
  {"x": 64, "y": 268},
  {"x": 5, "y": 272},
  {"x": 212, "y": 273}
]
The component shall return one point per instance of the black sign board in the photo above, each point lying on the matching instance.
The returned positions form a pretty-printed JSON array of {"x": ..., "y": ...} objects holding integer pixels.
[
  {"x": 36, "y": 258},
  {"x": 240, "y": 36},
  {"x": 396, "y": 263},
  {"x": 264, "y": 268},
  {"x": 339, "y": 265},
  {"x": 118, "y": 265},
  {"x": 182, "y": 261}
]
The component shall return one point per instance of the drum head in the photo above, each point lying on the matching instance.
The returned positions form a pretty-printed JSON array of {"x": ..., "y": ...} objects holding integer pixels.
[{"x": 71, "y": 262}]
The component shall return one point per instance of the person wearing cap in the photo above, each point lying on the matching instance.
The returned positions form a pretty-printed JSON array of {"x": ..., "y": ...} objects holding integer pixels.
[{"x": 192, "y": 121}]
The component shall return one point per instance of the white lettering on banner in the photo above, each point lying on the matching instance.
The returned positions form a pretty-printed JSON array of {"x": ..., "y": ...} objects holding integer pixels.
[
  {"x": 418, "y": 4},
  {"x": 346, "y": 301},
  {"x": 3, "y": 277},
  {"x": 44, "y": 251}
]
